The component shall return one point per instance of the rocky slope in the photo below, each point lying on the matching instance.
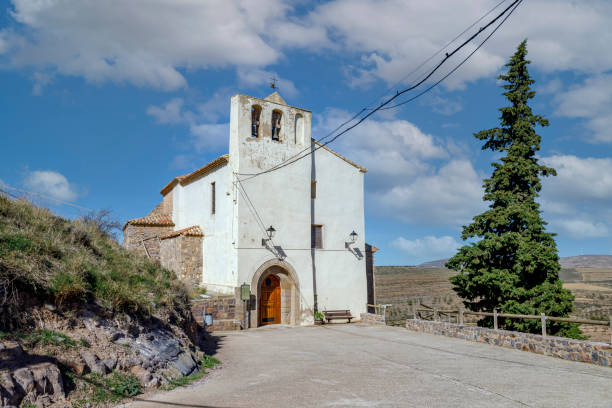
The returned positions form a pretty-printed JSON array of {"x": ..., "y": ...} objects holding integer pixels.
[{"x": 83, "y": 322}]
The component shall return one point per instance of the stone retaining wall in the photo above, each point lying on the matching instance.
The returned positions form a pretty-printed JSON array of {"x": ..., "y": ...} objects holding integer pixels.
[
  {"x": 568, "y": 349},
  {"x": 226, "y": 316},
  {"x": 373, "y": 319}
]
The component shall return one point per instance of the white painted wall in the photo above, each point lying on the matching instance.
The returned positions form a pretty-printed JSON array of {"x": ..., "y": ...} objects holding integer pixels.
[
  {"x": 233, "y": 248},
  {"x": 194, "y": 207},
  {"x": 282, "y": 199}
]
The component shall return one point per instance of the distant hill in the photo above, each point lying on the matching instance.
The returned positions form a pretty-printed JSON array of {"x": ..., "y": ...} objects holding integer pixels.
[
  {"x": 579, "y": 261},
  {"x": 587, "y": 261}
]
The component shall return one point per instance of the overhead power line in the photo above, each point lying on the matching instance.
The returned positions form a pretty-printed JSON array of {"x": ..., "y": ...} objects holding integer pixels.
[
  {"x": 57, "y": 200},
  {"x": 509, "y": 10}
]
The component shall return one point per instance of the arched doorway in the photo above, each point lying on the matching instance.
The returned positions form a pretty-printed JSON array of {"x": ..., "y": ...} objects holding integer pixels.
[
  {"x": 283, "y": 294},
  {"x": 270, "y": 301}
]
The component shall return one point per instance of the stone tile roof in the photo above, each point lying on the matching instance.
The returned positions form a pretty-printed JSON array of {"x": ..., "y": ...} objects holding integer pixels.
[
  {"x": 352, "y": 163},
  {"x": 276, "y": 98},
  {"x": 194, "y": 175},
  {"x": 152, "y": 220},
  {"x": 193, "y": 231}
]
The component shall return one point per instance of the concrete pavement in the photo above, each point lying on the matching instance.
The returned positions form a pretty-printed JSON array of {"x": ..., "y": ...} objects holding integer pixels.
[{"x": 372, "y": 366}]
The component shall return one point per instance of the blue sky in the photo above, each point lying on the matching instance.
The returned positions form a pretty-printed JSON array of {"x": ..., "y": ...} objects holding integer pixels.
[{"x": 102, "y": 103}]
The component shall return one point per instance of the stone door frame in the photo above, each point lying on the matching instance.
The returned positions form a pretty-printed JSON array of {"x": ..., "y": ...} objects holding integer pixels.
[{"x": 290, "y": 291}]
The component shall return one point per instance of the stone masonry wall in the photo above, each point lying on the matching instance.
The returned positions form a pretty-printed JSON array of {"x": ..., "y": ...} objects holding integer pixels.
[
  {"x": 170, "y": 251},
  {"x": 183, "y": 255},
  {"x": 226, "y": 315},
  {"x": 568, "y": 349},
  {"x": 191, "y": 260},
  {"x": 373, "y": 319},
  {"x": 137, "y": 237}
]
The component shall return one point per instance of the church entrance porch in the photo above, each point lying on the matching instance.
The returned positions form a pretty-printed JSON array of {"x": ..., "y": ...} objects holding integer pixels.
[{"x": 277, "y": 295}]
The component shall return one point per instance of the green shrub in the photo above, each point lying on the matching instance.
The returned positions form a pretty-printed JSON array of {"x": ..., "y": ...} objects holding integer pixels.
[{"x": 45, "y": 337}]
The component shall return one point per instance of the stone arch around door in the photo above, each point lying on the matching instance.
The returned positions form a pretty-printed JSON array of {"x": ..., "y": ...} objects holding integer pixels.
[{"x": 289, "y": 291}]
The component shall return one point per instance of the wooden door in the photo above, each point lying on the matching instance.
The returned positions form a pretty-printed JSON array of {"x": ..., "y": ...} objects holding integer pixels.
[{"x": 270, "y": 301}]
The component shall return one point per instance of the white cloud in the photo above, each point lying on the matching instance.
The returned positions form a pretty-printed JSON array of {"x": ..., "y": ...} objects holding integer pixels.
[
  {"x": 50, "y": 183},
  {"x": 203, "y": 136},
  {"x": 413, "y": 30},
  {"x": 580, "y": 229},
  {"x": 409, "y": 177},
  {"x": 170, "y": 113},
  {"x": 577, "y": 201},
  {"x": 151, "y": 42},
  {"x": 591, "y": 101},
  {"x": 40, "y": 80},
  {"x": 441, "y": 105},
  {"x": 551, "y": 87},
  {"x": 427, "y": 248},
  {"x": 578, "y": 180},
  {"x": 450, "y": 195},
  {"x": 146, "y": 43},
  {"x": 210, "y": 137}
]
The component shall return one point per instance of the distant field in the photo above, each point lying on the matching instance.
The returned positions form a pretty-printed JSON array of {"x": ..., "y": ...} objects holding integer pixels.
[{"x": 398, "y": 285}]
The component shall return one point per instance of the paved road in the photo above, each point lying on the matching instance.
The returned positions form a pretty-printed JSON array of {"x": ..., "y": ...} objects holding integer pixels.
[{"x": 369, "y": 366}]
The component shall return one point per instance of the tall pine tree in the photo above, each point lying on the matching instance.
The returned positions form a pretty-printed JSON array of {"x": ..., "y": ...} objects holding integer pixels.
[{"x": 514, "y": 267}]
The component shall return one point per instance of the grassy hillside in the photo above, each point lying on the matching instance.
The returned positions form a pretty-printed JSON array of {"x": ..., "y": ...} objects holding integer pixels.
[{"x": 48, "y": 259}]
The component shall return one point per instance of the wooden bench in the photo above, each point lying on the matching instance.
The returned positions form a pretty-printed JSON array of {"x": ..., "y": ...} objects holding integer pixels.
[{"x": 337, "y": 314}]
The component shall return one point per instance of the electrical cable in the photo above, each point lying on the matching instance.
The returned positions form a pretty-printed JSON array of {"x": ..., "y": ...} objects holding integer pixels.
[
  {"x": 457, "y": 67},
  {"x": 403, "y": 79},
  {"x": 287, "y": 162}
]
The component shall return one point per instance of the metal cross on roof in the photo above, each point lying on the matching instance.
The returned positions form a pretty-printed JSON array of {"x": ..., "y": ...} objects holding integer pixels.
[{"x": 273, "y": 83}]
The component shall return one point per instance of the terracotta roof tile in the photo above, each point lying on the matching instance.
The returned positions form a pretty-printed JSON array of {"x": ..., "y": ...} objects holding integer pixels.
[
  {"x": 151, "y": 220},
  {"x": 194, "y": 175},
  {"x": 193, "y": 231}
]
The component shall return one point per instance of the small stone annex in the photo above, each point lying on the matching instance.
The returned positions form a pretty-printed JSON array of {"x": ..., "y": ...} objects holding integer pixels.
[{"x": 294, "y": 235}]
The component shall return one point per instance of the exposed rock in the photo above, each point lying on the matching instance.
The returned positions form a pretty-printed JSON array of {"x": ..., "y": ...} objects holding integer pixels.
[
  {"x": 24, "y": 377},
  {"x": 35, "y": 379},
  {"x": 94, "y": 364},
  {"x": 110, "y": 362},
  {"x": 77, "y": 366},
  {"x": 10, "y": 393},
  {"x": 116, "y": 336},
  {"x": 182, "y": 366},
  {"x": 142, "y": 374}
]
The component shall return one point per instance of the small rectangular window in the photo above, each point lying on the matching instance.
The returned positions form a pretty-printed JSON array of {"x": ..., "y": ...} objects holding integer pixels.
[
  {"x": 212, "y": 200},
  {"x": 316, "y": 237},
  {"x": 313, "y": 189}
]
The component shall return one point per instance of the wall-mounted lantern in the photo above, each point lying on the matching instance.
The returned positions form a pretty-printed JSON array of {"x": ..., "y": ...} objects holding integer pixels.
[
  {"x": 352, "y": 238},
  {"x": 270, "y": 231}
]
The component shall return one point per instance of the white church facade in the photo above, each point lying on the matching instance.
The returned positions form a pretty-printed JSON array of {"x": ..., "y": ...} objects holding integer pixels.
[{"x": 294, "y": 234}]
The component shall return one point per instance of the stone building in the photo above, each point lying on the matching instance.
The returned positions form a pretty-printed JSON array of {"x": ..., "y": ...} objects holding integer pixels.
[{"x": 295, "y": 235}]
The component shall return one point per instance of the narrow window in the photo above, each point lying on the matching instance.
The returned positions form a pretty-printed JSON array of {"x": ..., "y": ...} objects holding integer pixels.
[
  {"x": 212, "y": 199},
  {"x": 255, "y": 117},
  {"x": 299, "y": 129},
  {"x": 313, "y": 189},
  {"x": 276, "y": 124},
  {"x": 316, "y": 237}
]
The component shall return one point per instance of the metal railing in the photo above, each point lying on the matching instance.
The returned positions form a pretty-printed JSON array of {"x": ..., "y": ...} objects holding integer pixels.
[{"x": 425, "y": 312}]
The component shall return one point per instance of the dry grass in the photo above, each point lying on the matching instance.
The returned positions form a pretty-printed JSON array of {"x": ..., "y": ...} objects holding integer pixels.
[
  {"x": 46, "y": 258},
  {"x": 586, "y": 286}
]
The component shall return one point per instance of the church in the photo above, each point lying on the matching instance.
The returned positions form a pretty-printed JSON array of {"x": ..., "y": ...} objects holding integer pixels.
[{"x": 281, "y": 213}]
